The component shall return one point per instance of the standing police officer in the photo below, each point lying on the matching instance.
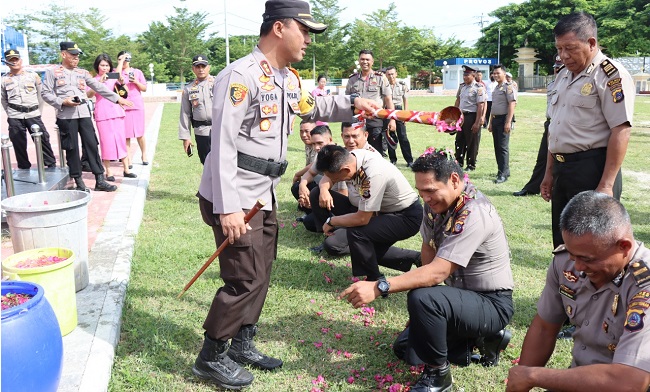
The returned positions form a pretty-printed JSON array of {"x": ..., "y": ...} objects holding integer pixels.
[
  {"x": 21, "y": 100},
  {"x": 196, "y": 108},
  {"x": 256, "y": 100},
  {"x": 471, "y": 99},
  {"x": 372, "y": 85},
  {"x": 592, "y": 105},
  {"x": 504, "y": 100},
  {"x": 398, "y": 92},
  {"x": 463, "y": 244},
  {"x": 64, "y": 88}
]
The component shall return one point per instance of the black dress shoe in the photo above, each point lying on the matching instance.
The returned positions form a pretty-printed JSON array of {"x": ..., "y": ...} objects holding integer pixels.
[
  {"x": 434, "y": 379},
  {"x": 501, "y": 180},
  {"x": 491, "y": 346},
  {"x": 522, "y": 192},
  {"x": 130, "y": 175},
  {"x": 110, "y": 178},
  {"x": 470, "y": 168}
]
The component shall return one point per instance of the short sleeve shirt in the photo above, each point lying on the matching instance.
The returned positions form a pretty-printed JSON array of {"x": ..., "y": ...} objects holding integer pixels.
[
  {"x": 502, "y": 95},
  {"x": 398, "y": 93},
  {"x": 470, "y": 235},
  {"x": 381, "y": 186},
  {"x": 471, "y": 95},
  {"x": 375, "y": 87},
  {"x": 610, "y": 321},
  {"x": 585, "y": 107}
]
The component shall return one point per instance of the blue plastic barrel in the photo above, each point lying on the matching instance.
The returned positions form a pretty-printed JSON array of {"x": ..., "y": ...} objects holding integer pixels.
[{"x": 32, "y": 348}]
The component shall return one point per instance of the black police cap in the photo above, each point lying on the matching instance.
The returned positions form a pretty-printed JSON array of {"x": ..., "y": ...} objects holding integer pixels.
[
  {"x": 11, "y": 53},
  {"x": 70, "y": 47},
  {"x": 200, "y": 59},
  {"x": 295, "y": 9}
]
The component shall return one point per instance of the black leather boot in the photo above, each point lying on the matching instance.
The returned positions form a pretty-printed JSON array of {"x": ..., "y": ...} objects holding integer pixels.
[
  {"x": 214, "y": 364},
  {"x": 80, "y": 186},
  {"x": 434, "y": 379},
  {"x": 491, "y": 346},
  {"x": 102, "y": 185},
  {"x": 244, "y": 352}
]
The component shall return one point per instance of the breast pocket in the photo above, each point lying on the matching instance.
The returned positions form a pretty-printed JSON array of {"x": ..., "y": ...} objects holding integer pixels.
[
  {"x": 582, "y": 110},
  {"x": 266, "y": 120},
  {"x": 12, "y": 90}
]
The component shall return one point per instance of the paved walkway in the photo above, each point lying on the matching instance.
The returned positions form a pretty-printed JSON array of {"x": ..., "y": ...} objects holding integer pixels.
[{"x": 113, "y": 221}]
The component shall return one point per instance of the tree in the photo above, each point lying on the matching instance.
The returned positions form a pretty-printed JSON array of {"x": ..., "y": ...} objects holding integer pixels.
[
  {"x": 177, "y": 42},
  {"x": 624, "y": 27},
  {"x": 378, "y": 32}
]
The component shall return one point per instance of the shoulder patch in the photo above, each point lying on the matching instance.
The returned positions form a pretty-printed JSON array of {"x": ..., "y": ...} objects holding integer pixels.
[
  {"x": 459, "y": 222},
  {"x": 608, "y": 67},
  {"x": 351, "y": 75},
  {"x": 640, "y": 273},
  {"x": 237, "y": 93}
]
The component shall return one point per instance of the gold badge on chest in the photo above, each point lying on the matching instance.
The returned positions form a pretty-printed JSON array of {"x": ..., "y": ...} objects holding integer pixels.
[{"x": 586, "y": 89}]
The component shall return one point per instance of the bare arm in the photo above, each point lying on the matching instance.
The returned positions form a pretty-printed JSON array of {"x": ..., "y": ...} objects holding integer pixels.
[
  {"x": 546, "y": 187},
  {"x": 616, "y": 149},
  {"x": 511, "y": 113}
]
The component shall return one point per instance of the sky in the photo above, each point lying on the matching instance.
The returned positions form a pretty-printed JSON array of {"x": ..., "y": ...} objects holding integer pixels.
[{"x": 447, "y": 19}]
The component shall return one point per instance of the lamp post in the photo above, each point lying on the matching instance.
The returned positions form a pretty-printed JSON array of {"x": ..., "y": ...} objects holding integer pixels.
[{"x": 151, "y": 72}]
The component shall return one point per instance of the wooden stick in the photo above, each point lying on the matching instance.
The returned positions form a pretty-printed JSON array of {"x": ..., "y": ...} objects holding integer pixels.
[
  {"x": 448, "y": 119},
  {"x": 221, "y": 247}
]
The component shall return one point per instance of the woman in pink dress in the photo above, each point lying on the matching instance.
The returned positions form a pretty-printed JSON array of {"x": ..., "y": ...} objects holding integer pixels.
[
  {"x": 134, "y": 120},
  {"x": 320, "y": 89},
  {"x": 109, "y": 118}
]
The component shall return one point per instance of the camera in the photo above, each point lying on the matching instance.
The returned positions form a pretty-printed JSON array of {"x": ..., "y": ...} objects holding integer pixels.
[
  {"x": 76, "y": 99},
  {"x": 127, "y": 58},
  {"x": 189, "y": 151}
]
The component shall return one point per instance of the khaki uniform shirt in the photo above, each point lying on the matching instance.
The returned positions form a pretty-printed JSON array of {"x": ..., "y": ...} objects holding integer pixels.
[
  {"x": 586, "y": 107},
  {"x": 471, "y": 235},
  {"x": 24, "y": 90},
  {"x": 610, "y": 321},
  {"x": 381, "y": 186},
  {"x": 470, "y": 96},
  {"x": 501, "y": 97},
  {"x": 374, "y": 87},
  {"x": 196, "y": 104},
  {"x": 253, "y": 111},
  {"x": 398, "y": 93},
  {"x": 61, "y": 83},
  {"x": 549, "y": 88}
]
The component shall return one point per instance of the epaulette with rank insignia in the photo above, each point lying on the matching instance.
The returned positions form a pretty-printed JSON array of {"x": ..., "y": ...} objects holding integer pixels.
[
  {"x": 559, "y": 249},
  {"x": 640, "y": 273},
  {"x": 354, "y": 74},
  {"x": 608, "y": 67},
  {"x": 378, "y": 73},
  {"x": 561, "y": 68}
]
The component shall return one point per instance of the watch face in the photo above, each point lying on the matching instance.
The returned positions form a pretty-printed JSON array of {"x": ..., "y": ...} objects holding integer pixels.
[{"x": 383, "y": 287}]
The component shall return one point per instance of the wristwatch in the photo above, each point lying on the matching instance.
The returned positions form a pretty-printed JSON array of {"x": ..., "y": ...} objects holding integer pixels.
[
  {"x": 383, "y": 286},
  {"x": 327, "y": 222}
]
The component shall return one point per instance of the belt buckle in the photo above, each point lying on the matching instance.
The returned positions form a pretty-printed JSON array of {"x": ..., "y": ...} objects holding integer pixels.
[{"x": 559, "y": 158}]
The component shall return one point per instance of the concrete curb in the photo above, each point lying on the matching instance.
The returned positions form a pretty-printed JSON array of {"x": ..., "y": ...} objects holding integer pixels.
[{"x": 89, "y": 350}]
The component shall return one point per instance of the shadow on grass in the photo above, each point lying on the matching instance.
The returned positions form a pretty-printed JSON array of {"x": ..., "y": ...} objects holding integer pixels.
[{"x": 182, "y": 196}]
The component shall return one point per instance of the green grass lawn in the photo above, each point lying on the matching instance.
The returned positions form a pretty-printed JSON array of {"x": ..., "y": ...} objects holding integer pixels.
[{"x": 302, "y": 322}]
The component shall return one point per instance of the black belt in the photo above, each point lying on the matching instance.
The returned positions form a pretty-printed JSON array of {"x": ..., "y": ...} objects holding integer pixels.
[
  {"x": 23, "y": 109},
  {"x": 261, "y": 166},
  {"x": 197, "y": 124},
  {"x": 398, "y": 107},
  {"x": 468, "y": 112},
  {"x": 576, "y": 156},
  {"x": 498, "y": 115}
]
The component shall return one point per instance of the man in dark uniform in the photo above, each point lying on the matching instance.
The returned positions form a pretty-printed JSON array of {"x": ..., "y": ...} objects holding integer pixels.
[
  {"x": 532, "y": 186},
  {"x": 600, "y": 280},
  {"x": 398, "y": 92},
  {"x": 196, "y": 108},
  {"x": 592, "y": 105},
  {"x": 21, "y": 100},
  {"x": 256, "y": 99},
  {"x": 388, "y": 209},
  {"x": 464, "y": 245},
  {"x": 471, "y": 99},
  {"x": 372, "y": 85},
  {"x": 504, "y": 100},
  {"x": 64, "y": 88}
]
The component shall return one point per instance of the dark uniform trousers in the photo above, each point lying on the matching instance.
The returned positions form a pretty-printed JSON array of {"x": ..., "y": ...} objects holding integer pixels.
[
  {"x": 203, "y": 145},
  {"x": 403, "y": 140},
  {"x": 18, "y": 138},
  {"x": 467, "y": 141},
  {"x": 580, "y": 171},
  {"x": 445, "y": 322},
  {"x": 308, "y": 220},
  {"x": 375, "y": 135},
  {"x": 487, "y": 113},
  {"x": 501, "y": 145},
  {"x": 71, "y": 130},
  {"x": 246, "y": 272},
  {"x": 337, "y": 244},
  {"x": 532, "y": 186}
]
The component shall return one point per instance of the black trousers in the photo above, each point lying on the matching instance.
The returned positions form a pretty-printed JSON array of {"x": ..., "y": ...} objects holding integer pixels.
[
  {"x": 445, "y": 322},
  {"x": 501, "y": 145},
  {"x": 309, "y": 221},
  {"x": 575, "y": 176},
  {"x": 245, "y": 268},
  {"x": 402, "y": 139},
  {"x": 532, "y": 186},
  {"x": 337, "y": 243},
  {"x": 376, "y": 138},
  {"x": 487, "y": 113},
  {"x": 467, "y": 141},
  {"x": 202, "y": 146},
  {"x": 71, "y": 130},
  {"x": 18, "y": 137}
]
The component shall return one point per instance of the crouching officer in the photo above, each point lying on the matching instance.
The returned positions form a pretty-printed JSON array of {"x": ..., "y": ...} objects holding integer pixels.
[
  {"x": 196, "y": 108},
  {"x": 464, "y": 245},
  {"x": 64, "y": 88},
  {"x": 21, "y": 100}
]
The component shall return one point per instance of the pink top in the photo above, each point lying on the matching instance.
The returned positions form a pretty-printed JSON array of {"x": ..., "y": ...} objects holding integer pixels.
[
  {"x": 319, "y": 92},
  {"x": 135, "y": 95},
  {"x": 105, "y": 109}
]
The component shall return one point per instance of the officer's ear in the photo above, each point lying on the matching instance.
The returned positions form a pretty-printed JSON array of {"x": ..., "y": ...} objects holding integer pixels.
[{"x": 455, "y": 180}]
